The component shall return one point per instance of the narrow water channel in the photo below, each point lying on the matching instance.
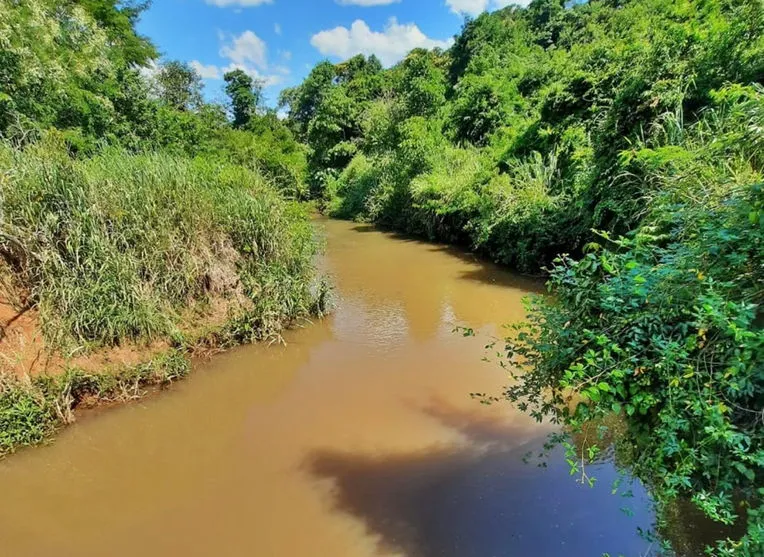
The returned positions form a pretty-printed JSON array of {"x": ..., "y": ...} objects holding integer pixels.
[{"x": 358, "y": 438}]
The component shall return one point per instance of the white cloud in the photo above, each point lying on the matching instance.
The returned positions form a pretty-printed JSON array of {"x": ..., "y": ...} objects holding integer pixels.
[
  {"x": 498, "y": 4},
  {"x": 242, "y": 3},
  {"x": 389, "y": 45},
  {"x": 246, "y": 52},
  {"x": 366, "y": 2},
  {"x": 267, "y": 79},
  {"x": 277, "y": 28},
  {"x": 470, "y": 7},
  {"x": 245, "y": 49},
  {"x": 210, "y": 71},
  {"x": 285, "y": 55},
  {"x": 476, "y": 7}
]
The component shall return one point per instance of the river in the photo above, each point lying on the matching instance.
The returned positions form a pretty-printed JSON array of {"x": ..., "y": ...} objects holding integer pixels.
[{"x": 356, "y": 438}]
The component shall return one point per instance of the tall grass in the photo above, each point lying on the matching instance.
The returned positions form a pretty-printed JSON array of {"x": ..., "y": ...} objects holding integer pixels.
[
  {"x": 515, "y": 217},
  {"x": 115, "y": 247},
  {"x": 127, "y": 247}
]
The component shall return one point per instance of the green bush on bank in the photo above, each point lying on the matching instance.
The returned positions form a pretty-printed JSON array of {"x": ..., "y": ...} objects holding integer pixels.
[
  {"x": 129, "y": 206},
  {"x": 664, "y": 325},
  {"x": 122, "y": 247},
  {"x": 513, "y": 217},
  {"x": 550, "y": 95},
  {"x": 115, "y": 247}
]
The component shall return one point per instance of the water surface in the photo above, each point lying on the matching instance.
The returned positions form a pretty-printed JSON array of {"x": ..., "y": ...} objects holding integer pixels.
[{"x": 358, "y": 438}]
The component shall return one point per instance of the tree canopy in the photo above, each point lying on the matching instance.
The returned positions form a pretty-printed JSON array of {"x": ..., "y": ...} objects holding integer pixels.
[{"x": 79, "y": 69}]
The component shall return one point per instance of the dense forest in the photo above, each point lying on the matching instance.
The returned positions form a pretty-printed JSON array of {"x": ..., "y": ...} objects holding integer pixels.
[
  {"x": 628, "y": 134},
  {"x": 614, "y": 146}
]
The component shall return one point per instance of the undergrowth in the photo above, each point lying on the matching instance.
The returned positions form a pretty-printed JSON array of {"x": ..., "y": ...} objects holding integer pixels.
[
  {"x": 33, "y": 408},
  {"x": 124, "y": 248},
  {"x": 114, "y": 248}
]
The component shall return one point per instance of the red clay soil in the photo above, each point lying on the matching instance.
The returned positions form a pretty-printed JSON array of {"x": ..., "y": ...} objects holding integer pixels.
[{"x": 23, "y": 350}]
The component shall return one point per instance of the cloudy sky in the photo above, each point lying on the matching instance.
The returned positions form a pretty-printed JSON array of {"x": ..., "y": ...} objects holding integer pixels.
[{"x": 280, "y": 40}]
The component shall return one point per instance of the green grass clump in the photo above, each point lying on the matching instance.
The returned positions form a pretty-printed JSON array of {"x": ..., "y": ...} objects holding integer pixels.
[
  {"x": 32, "y": 409},
  {"x": 26, "y": 416},
  {"x": 114, "y": 248}
]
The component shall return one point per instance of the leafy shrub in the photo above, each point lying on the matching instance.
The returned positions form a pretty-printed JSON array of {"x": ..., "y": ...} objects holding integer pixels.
[
  {"x": 522, "y": 223},
  {"x": 446, "y": 199},
  {"x": 347, "y": 195},
  {"x": 664, "y": 326}
]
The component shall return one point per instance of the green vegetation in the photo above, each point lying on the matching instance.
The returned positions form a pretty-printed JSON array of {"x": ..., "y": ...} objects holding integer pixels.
[
  {"x": 618, "y": 143},
  {"x": 115, "y": 247},
  {"x": 130, "y": 209},
  {"x": 80, "y": 68},
  {"x": 31, "y": 409},
  {"x": 627, "y": 133},
  {"x": 664, "y": 325},
  {"x": 534, "y": 107}
]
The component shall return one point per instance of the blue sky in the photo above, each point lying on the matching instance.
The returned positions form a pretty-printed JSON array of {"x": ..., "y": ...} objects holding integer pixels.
[{"x": 280, "y": 40}]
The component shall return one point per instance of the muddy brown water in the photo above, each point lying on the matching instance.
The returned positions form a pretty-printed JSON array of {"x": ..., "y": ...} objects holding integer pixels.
[{"x": 357, "y": 438}]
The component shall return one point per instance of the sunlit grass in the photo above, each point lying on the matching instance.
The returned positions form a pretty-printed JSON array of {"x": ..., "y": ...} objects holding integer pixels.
[{"x": 113, "y": 248}]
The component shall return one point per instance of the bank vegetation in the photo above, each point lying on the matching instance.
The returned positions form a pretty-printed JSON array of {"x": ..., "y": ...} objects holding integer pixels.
[{"x": 134, "y": 216}]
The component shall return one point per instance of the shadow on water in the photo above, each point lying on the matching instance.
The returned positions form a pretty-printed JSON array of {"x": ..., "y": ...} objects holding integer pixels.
[
  {"x": 488, "y": 272},
  {"x": 365, "y": 228},
  {"x": 481, "y": 499},
  {"x": 485, "y": 271}
]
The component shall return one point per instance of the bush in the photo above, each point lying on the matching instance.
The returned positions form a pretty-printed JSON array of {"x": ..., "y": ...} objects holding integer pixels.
[
  {"x": 347, "y": 195},
  {"x": 664, "y": 326},
  {"x": 445, "y": 200},
  {"x": 115, "y": 247}
]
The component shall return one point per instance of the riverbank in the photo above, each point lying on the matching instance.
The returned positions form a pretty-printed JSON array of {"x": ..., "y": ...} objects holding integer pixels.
[
  {"x": 115, "y": 269},
  {"x": 34, "y": 407}
]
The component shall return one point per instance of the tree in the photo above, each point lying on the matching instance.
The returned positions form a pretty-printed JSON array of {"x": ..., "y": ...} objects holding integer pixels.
[
  {"x": 423, "y": 83},
  {"x": 246, "y": 95},
  {"x": 118, "y": 19},
  {"x": 361, "y": 76},
  {"x": 179, "y": 86},
  {"x": 545, "y": 17},
  {"x": 304, "y": 100},
  {"x": 478, "y": 109}
]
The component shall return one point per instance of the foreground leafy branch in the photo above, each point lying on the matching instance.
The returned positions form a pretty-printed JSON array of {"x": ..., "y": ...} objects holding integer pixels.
[{"x": 664, "y": 327}]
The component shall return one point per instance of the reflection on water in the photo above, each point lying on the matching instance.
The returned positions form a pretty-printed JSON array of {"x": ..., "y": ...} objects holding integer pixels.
[
  {"x": 359, "y": 438},
  {"x": 480, "y": 498}
]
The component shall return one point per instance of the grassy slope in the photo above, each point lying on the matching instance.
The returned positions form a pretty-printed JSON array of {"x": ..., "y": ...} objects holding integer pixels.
[{"x": 124, "y": 248}]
